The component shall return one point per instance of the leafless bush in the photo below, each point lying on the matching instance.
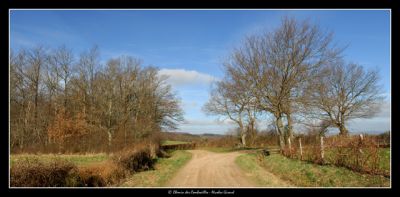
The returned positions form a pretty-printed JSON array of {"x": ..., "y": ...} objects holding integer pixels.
[
  {"x": 33, "y": 173},
  {"x": 353, "y": 152},
  {"x": 99, "y": 175}
]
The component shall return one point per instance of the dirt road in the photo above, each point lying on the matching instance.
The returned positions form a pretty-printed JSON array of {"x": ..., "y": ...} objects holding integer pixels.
[{"x": 209, "y": 169}]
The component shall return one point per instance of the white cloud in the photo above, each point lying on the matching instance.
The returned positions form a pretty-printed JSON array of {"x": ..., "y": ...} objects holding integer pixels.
[
  {"x": 384, "y": 110},
  {"x": 380, "y": 122},
  {"x": 181, "y": 77}
]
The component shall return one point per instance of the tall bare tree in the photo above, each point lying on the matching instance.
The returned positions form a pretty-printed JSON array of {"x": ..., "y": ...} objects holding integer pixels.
[
  {"x": 344, "y": 92},
  {"x": 279, "y": 63},
  {"x": 80, "y": 105}
]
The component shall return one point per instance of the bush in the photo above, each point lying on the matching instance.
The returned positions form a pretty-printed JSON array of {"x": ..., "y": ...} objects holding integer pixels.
[
  {"x": 32, "y": 173},
  {"x": 99, "y": 175},
  {"x": 138, "y": 158},
  {"x": 352, "y": 152},
  {"x": 58, "y": 173},
  {"x": 163, "y": 154}
]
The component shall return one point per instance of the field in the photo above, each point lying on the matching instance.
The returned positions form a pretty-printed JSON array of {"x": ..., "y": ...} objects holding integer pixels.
[
  {"x": 304, "y": 174},
  {"x": 172, "y": 142},
  {"x": 79, "y": 160},
  {"x": 383, "y": 155}
]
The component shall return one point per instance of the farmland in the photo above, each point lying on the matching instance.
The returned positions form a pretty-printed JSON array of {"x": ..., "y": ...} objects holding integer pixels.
[{"x": 79, "y": 160}]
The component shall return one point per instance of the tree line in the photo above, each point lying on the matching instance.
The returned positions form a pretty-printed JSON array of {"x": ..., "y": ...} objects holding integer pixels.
[
  {"x": 294, "y": 73},
  {"x": 69, "y": 102}
]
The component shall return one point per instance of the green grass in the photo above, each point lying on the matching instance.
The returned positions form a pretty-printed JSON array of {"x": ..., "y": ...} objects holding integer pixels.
[
  {"x": 305, "y": 174},
  {"x": 164, "y": 170},
  {"x": 76, "y": 159},
  {"x": 248, "y": 163},
  {"x": 384, "y": 154},
  {"x": 218, "y": 149},
  {"x": 171, "y": 142},
  {"x": 224, "y": 149}
]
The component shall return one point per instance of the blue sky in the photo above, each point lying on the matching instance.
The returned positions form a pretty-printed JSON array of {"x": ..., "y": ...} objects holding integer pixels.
[{"x": 190, "y": 45}]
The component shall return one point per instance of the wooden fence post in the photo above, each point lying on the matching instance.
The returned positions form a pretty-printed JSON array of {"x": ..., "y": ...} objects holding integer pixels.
[
  {"x": 301, "y": 150},
  {"x": 322, "y": 148},
  {"x": 360, "y": 144}
]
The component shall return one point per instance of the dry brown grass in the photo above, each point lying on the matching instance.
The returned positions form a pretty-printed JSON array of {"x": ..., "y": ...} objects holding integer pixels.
[
  {"x": 100, "y": 175},
  {"x": 139, "y": 157},
  {"x": 33, "y": 173},
  {"x": 36, "y": 171}
]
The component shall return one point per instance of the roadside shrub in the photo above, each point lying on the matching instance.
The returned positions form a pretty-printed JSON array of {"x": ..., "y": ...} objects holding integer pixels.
[
  {"x": 357, "y": 153},
  {"x": 100, "y": 175},
  {"x": 354, "y": 153},
  {"x": 138, "y": 158},
  {"x": 32, "y": 173},
  {"x": 383, "y": 139},
  {"x": 163, "y": 154}
]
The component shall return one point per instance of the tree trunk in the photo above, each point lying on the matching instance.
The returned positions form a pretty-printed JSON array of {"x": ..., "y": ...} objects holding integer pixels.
[
  {"x": 301, "y": 149},
  {"x": 242, "y": 134},
  {"x": 244, "y": 139},
  {"x": 109, "y": 139},
  {"x": 290, "y": 126},
  {"x": 322, "y": 149},
  {"x": 21, "y": 143},
  {"x": 279, "y": 127},
  {"x": 342, "y": 130},
  {"x": 109, "y": 124}
]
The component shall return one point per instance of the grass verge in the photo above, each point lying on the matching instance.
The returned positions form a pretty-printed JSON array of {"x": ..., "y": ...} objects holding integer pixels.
[
  {"x": 165, "y": 168},
  {"x": 304, "y": 174},
  {"x": 248, "y": 163}
]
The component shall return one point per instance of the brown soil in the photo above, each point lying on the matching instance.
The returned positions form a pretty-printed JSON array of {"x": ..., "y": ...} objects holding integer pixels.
[{"x": 209, "y": 169}]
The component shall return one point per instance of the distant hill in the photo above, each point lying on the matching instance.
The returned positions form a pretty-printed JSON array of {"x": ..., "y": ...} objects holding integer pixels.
[
  {"x": 211, "y": 135},
  {"x": 181, "y": 136}
]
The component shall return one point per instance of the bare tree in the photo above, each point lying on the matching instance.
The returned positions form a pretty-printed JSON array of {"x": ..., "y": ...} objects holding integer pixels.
[
  {"x": 344, "y": 92},
  {"x": 231, "y": 98},
  {"x": 19, "y": 115},
  {"x": 61, "y": 62},
  {"x": 55, "y": 100},
  {"x": 221, "y": 103},
  {"x": 278, "y": 64}
]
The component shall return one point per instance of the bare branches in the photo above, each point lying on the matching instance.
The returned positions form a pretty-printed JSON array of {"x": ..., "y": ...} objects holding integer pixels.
[
  {"x": 294, "y": 70},
  {"x": 56, "y": 98},
  {"x": 346, "y": 91}
]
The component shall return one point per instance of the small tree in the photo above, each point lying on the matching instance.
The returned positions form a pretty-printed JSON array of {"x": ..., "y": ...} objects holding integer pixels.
[
  {"x": 64, "y": 128},
  {"x": 224, "y": 103}
]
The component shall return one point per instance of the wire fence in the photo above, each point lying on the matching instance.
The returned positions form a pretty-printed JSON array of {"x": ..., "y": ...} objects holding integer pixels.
[{"x": 359, "y": 153}]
